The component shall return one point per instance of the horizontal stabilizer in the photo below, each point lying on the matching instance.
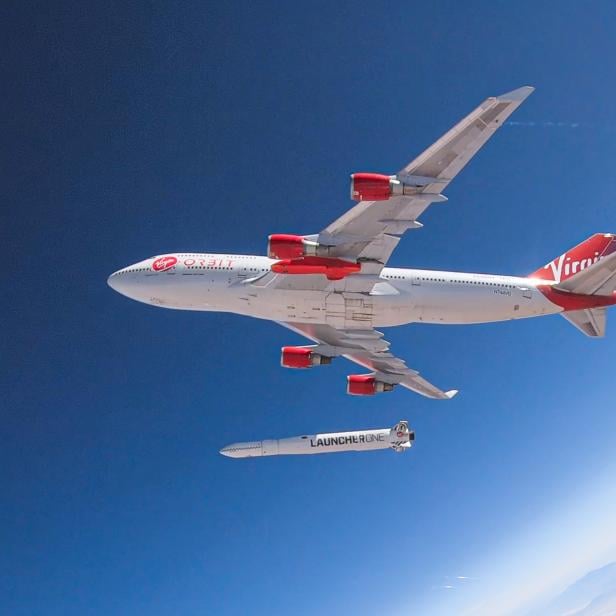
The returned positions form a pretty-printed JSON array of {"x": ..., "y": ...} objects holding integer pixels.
[
  {"x": 596, "y": 279},
  {"x": 591, "y": 322},
  {"x": 585, "y": 268}
]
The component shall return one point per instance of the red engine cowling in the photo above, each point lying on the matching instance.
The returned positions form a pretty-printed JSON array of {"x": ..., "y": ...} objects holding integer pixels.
[
  {"x": 301, "y": 357},
  {"x": 366, "y": 385},
  {"x": 371, "y": 187},
  {"x": 285, "y": 246}
]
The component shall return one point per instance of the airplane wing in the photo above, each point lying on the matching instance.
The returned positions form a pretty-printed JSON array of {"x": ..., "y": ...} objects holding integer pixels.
[
  {"x": 370, "y": 231},
  {"x": 368, "y": 348}
]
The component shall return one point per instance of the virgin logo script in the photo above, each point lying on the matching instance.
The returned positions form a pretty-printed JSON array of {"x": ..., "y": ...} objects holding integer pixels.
[
  {"x": 561, "y": 270},
  {"x": 164, "y": 263}
]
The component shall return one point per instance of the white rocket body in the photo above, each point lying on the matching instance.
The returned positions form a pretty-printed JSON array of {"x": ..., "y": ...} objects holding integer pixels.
[{"x": 397, "y": 438}]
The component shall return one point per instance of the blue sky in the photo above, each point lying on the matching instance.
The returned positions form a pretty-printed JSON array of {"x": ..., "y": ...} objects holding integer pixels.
[{"x": 136, "y": 130}]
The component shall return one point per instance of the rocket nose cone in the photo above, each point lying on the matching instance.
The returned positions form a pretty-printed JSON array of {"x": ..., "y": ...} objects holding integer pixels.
[{"x": 242, "y": 450}]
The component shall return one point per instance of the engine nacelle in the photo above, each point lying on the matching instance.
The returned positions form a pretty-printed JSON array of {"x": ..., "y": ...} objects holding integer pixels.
[
  {"x": 366, "y": 385},
  {"x": 302, "y": 357},
  {"x": 379, "y": 187},
  {"x": 370, "y": 187},
  {"x": 333, "y": 269},
  {"x": 286, "y": 246}
]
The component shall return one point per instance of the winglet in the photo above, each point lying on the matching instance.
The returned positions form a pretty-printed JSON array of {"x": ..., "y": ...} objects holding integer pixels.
[
  {"x": 451, "y": 393},
  {"x": 517, "y": 95}
]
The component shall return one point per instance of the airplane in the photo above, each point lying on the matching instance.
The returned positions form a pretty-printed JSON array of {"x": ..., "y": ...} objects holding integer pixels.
[{"x": 334, "y": 288}]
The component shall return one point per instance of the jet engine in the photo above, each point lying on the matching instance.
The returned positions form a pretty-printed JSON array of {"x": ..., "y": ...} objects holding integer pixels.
[
  {"x": 302, "y": 357},
  {"x": 378, "y": 187},
  {"x": 285, "y": 246},
  {"x": 366, "y": 385}
]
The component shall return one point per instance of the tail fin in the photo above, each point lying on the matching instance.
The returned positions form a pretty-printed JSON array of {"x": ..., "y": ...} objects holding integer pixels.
[{"x": 575, "y": 260}]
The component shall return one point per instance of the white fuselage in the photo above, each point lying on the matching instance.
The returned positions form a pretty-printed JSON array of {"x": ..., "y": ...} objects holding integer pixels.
[{"x": 226, "y": 283}]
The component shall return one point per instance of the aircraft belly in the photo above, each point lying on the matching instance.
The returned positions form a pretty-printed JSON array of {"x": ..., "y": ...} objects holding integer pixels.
[
  {"x": 283, "y": 305},
  {"x": 445, "y": 304},
  {"x": 459, "y": 304},
  {"x": 349, "y": 310},
  {"x": 466, "y": 306},
  {"x": 483, "y": 305},
  {"x": 340, "y": 310}
]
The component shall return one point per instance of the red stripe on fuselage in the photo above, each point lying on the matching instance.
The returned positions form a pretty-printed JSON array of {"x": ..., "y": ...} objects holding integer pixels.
[{"x": 575, "y": 301}]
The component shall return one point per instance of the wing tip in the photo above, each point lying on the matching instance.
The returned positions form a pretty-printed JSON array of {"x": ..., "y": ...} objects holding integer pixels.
[
  {"x": 451, "y": 393},
  {"x": 517, "y": 95}
]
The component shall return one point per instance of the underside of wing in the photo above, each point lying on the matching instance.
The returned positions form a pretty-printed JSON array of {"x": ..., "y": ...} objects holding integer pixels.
[{"x": 369, "y": 349}]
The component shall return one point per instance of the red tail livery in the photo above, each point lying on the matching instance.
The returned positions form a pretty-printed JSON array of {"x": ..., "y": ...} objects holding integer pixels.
[{"x": 575, "y": 260}]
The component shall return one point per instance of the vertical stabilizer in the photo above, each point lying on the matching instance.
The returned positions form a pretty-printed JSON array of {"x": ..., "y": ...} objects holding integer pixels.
[{"x": 577, "y": 259}]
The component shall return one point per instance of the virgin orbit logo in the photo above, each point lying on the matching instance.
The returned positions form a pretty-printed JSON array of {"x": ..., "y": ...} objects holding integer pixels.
[{"x": 164, "y": 263}]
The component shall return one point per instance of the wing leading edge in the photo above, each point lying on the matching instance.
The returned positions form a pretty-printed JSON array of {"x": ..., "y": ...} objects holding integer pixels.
[{"x": 371, "y": 229}]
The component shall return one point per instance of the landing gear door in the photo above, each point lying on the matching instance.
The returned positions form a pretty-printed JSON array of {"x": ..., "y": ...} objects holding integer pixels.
[
  {"x": 335, "y": 310},
  {"x": 349, "y": 310}
]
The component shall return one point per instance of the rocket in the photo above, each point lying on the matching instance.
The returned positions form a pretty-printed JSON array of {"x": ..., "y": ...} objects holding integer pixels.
[{"x": 397, "y": 438}]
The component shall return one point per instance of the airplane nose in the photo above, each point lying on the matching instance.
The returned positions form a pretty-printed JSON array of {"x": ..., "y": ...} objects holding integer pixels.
[
  {"x": 142, "y": 283},
  {"x": 112, "y": 281},
  {"x": 122, "y": 282},
  {"x": 115, "y": 281},
  {"x": 234, "y": 450}
]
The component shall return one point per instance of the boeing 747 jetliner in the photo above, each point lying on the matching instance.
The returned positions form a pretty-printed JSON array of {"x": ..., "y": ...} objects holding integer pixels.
[{"x": 333, "y": 287}]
